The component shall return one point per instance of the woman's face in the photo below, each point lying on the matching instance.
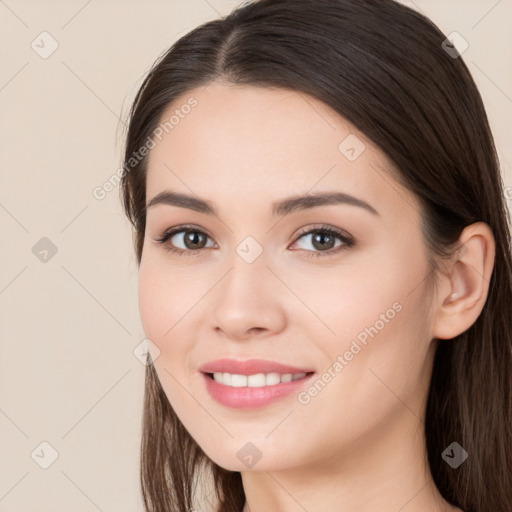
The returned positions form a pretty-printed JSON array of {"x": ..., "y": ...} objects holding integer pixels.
[{"x": 262, "y": 284}]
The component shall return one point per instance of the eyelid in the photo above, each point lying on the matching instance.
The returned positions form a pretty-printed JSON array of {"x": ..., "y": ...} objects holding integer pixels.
[{"x": 322, "y": 227}]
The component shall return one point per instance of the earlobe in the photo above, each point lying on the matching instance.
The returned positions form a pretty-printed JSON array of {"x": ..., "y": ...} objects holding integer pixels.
[{"x": 466, "y": 283}]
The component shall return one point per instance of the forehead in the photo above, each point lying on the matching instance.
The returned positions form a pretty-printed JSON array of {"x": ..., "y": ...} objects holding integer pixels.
[{"x": 250, "y": 143}]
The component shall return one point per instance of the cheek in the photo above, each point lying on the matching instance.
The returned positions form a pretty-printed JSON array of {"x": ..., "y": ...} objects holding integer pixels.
[
  {"x": 357, "y": 295},
  {"x": 160, "y": 311},
  {"x": 170, "y": 313},
  {"x": 376, "y": 312},
  {"x": 382, "y": 337},
  {"x": 160, "y": 314},
  {"x": 152, "y": 304}
]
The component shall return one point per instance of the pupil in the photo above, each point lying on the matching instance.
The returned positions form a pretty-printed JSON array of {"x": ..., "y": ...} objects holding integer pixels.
[
  {"x": 322, "y": 237},
  {"x": 193, "y": 237}
]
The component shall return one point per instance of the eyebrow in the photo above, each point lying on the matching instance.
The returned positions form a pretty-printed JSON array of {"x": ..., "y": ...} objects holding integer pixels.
[{"x": 279, "y": 208}]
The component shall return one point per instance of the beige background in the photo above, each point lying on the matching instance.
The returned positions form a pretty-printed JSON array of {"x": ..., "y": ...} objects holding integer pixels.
[{"x": 68, "y": 375}]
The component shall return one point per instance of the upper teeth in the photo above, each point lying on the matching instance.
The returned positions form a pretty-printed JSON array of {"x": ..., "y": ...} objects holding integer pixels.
[{"x": 255, "y": 381}]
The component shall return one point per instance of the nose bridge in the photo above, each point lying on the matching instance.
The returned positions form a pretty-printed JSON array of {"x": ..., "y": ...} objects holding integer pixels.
[
  {"x": 250, "y": 250},
  {"x": 246, "y": 298},
  {"x": 248, "y": 267}
]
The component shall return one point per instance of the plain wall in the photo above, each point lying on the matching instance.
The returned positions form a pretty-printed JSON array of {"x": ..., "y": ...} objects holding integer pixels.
[{"x": 69, "y": 324}]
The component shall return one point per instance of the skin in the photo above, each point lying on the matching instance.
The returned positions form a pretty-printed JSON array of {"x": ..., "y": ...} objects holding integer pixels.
[{"x": 358, "y": 445}]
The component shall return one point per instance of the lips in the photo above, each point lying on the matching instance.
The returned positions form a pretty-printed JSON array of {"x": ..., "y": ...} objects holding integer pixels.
[
  {"x": 253, "y": 397},
  {"x": 250, "y": 367}
]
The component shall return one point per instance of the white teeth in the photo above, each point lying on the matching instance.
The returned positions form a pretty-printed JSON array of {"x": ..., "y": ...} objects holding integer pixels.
[
  {"x": 271, "y": 379},
  {"x": 238, "y": 381},
  {"x": 255, "y": 381}
]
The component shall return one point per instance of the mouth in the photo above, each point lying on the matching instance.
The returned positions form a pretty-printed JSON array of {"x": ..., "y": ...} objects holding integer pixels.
[{"x": 238, "y": 391}]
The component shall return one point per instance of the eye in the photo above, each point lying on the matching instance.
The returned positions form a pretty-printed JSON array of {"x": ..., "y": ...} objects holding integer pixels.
[
  {"x": 323, "y": 239},
  {"x": 190, "y": 237}
]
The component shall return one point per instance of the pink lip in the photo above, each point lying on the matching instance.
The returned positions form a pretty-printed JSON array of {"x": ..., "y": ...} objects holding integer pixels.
[
  {"x": 250, "y": 367},
  {"x": 249, "y": 397}
]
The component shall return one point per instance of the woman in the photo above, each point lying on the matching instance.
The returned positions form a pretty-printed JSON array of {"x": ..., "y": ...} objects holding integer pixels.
[{"x": 324, "y": 266}]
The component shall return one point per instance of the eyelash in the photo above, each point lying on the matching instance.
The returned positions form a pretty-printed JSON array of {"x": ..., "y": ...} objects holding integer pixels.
[{"x": 347, "y": 241}]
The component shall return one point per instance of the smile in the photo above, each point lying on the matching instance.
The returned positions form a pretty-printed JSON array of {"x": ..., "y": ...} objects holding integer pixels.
[{"x": 252, "y": 391}]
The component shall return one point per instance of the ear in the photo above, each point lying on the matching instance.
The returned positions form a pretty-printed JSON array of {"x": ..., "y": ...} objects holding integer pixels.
[{"x": 464, "y": 287}]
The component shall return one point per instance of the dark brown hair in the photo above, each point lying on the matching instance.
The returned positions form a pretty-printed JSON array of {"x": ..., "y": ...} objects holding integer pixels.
[{"x": 383, "y": 67}]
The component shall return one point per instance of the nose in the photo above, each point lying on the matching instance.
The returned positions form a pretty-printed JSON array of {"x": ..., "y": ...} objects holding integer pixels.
[{"x": 248, "y": 302}]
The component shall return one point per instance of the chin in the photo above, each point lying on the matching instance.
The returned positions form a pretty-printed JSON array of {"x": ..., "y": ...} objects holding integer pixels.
[{"x": 247, "y": 457}]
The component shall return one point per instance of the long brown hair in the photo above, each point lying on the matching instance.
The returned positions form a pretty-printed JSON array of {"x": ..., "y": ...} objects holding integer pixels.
[{"x": 383, "y": 67}]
